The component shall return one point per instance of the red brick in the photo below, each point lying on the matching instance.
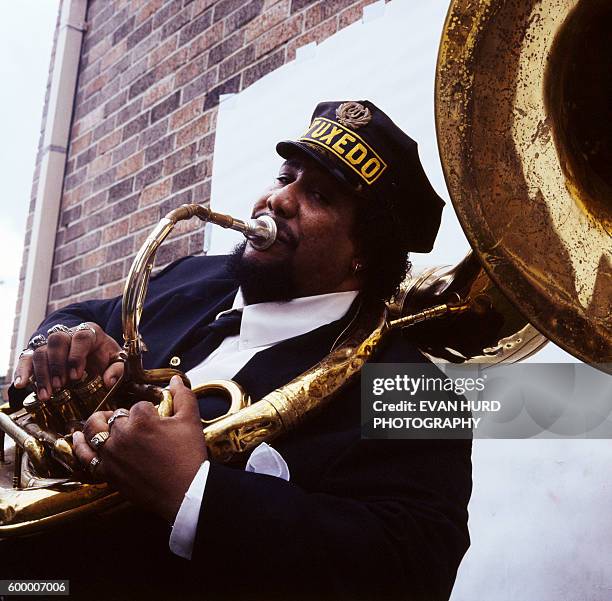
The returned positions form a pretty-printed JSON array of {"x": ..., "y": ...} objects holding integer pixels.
[
  {"x": 230, "y": 86},
  {"x": 123, "y": 30},
  {"x": 196, "y": 242},
  {"x": 158, "y": 91},
  {"x": 164, "y": 51},
  {"x": 100, "y": 164},
  {"x": 145, "y": 217},
  {"x": 266, "y": 20},
  {"x": 191, "y": 70},
  {"x": 236, "y": 62},
  {"x": 99, "y": 50},
  {"x": 186, "y": 113},
  {"x": 323, "y": 10},
  {"x": 119, "y": 249},
  {"x": 109, "y": 142},
  {"x": 95, "y": 86},
  {"x": 71, "y": 269},
  {"x": 112, "y": 290},
  {"x": 201, "y": 5},
  {"x": 318, "y": 34},
  {"x": 171, "y": 251},
  {"x": 297, "y": 5},
  {"x": 118, "y": 230},
  {"x": 179, "y": 159},
  {"x": 190, "y": 176},
  {"x": 85, "y": 282},
  {"x": 95, "y": 258},
  {"x": 193, "y": 130},
  {"x": 78, "y": 145},
  {"x": 205, "y": 40},
  {"x": 243, "y": 15},
  {"x": 155, "y": 192},
  {"x": 268, "y": 4},
  {"x": 139, "y": 34},
  {"x": 140, "y": 237},
  {"x": 225, "y": 48},
  {"x": 352, "y": 14},
  {"x": 91, "y": 120},
  {"x": 196, "y": 27},
  {"x": 110, "y": 273},
  {"x": 279, "y": 35},
  {"x": 165, "y": 107},
  {"x": 148, "y": 9},
  {"x": 131, "y": 164},
  {"x": 171, "y": 64},
  {"x": 263, "y": 67},
  {"x": 225, "y": 7},
  {"x": 200, "y": 85}
]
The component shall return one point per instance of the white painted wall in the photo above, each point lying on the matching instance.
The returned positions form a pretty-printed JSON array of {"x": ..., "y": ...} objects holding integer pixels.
[{"x": 540, "y": 513}]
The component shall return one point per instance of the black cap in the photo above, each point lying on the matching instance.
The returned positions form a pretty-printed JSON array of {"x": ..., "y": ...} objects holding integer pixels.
[{"x": 360, "y": 146}]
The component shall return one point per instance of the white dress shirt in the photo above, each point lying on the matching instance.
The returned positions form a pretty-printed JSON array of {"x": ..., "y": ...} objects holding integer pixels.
[{"x": 263, "y": 325}]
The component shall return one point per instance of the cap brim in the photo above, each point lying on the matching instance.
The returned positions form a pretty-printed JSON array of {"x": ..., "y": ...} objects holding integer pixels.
[{"x": 289, "y": 148}]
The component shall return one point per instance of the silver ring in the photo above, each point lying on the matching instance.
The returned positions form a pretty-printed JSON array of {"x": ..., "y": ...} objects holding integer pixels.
[
  {"x": 97, "y": 440},
  {"x": 36, "y": 342},
  {"x": 58, "y": 327},
  {"x": 118, "y": 413},
  {"x": 93, "y": 464},
  {"x": 26, "y": 351},
  {"x": 86, "y": 327}
]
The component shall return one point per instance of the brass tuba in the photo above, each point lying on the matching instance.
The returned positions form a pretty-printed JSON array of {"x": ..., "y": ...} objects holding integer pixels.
[{"x": 528, "y": 174}]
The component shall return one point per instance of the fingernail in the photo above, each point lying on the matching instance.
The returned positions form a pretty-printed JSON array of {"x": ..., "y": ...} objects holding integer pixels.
[
  {"x": 17, "y": 381},
  {"x": 42, "y": 394},
  {"x": 57, "y": 383},
  {"x": 113, "y": 381},
  {"x": 175, "y": 380},
  {"x": 73, "y": 374}
]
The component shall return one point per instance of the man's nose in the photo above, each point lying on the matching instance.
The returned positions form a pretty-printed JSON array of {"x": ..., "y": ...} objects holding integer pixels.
[{"x": 283, "y": 202}]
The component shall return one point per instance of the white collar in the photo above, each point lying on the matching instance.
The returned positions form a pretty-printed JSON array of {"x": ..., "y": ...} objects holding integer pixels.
[{"x": 264, "y": 324}]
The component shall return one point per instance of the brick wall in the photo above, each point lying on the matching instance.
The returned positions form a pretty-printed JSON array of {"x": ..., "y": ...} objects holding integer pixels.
[{"x": 143, "y": 126}]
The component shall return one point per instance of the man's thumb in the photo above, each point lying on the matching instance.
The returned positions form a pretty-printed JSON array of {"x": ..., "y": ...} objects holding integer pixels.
[
  {"x": 112, "y": 374},
  {"x": 185, "y": 401}
]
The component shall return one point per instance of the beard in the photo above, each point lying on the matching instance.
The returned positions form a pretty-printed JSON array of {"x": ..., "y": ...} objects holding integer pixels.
[{"x": 262, "y": 283}]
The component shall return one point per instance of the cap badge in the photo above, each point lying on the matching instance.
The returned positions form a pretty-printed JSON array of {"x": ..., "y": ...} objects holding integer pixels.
[{"x": 353, "y": 114}]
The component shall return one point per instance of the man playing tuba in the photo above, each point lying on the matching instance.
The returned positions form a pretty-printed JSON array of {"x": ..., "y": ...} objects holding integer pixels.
[{"x": 323, "y": 513}]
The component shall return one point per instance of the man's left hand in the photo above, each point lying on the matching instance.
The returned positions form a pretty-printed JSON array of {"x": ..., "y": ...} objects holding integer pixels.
[{"x": 151, "y": 460}]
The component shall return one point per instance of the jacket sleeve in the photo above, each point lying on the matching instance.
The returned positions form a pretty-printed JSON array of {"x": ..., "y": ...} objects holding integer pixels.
[{"x": 388, "y": 521}]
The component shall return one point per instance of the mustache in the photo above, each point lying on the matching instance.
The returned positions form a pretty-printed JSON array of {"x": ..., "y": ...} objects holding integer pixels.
[{"x": 284, "y": 232}]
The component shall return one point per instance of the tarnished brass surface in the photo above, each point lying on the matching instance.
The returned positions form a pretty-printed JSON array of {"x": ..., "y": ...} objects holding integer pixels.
[
  {"x": 524, "y": 118},
  {"x": 489, "y": 330}
]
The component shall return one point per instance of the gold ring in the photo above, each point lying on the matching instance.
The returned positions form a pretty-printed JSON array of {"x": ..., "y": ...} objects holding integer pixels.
[
  {"x": 97, "y": 440},
  {"x": 93, "y": 464},
  {"x": 118, "y": 413}
]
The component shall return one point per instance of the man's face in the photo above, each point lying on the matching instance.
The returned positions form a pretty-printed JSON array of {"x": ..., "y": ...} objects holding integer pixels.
[{"x": 314, "y": 251}]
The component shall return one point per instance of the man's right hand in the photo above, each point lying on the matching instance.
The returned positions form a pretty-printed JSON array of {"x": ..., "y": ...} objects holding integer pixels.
[{"x": 65, "y": 358}]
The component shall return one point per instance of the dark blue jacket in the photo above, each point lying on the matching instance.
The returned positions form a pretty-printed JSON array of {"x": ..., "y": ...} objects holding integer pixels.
[{"x": 360, "y": 519}]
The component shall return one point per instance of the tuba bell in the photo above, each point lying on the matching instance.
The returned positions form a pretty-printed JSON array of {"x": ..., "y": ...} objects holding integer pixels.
[{"x": 525, "y": 151}]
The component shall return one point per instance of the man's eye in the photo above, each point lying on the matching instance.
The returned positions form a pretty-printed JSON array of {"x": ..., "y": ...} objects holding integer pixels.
[
  {"x": 319, "y": 197},
  {"x": 282, "y": 179}
]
